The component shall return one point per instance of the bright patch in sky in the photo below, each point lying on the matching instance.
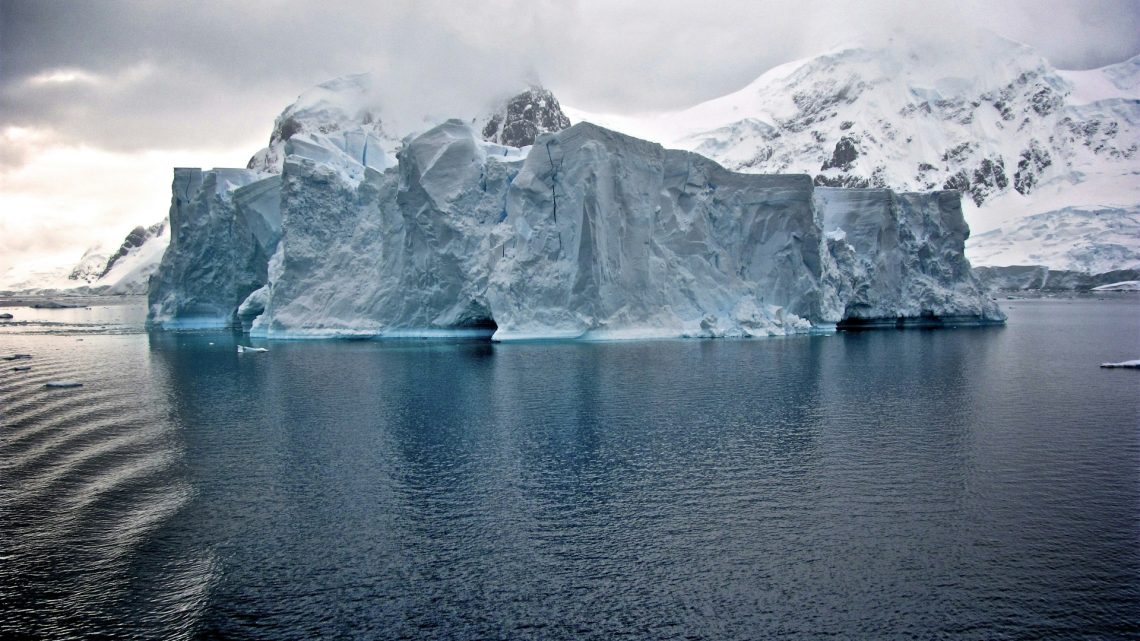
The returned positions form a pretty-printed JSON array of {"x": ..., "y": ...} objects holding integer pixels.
[{"x": 64, "y": 77}]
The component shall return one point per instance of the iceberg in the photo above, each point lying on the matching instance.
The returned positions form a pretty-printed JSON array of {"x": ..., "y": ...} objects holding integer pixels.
[
  {"x": 587, "y": 233},
  {"x": 609, "y": 236}
]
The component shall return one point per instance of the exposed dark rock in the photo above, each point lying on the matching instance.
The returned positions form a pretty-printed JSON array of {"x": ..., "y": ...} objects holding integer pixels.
[
  {"x": 817, "y": 105},
  {"x": 958, "y": 153},
  {"x": 523, "y": 117},
  {"x": 1040, "y": 278},
  {"x": 138, "y": 236},
  {"x": 845, "y": 153},
  {"x": 959, "y": 182},
  {"x": 1029, "y": 167},
  {"x": 850, "y": 182},
  {"x": 987, "y": 179},
  {"x": 1045, "y": 101}
]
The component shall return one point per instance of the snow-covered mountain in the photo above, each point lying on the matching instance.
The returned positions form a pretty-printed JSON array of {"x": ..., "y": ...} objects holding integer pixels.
[
  {"x": 101, "y": 270},
  {"x": 340, "y": 119},
  {"x": 990, "y": 118}
]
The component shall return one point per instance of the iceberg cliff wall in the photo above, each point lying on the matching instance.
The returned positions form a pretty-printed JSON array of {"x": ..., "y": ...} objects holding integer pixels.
[
  {"x": 213, "y": 261},
  {"x": 593, "y": 234},
  {"x": 404, "y": 252},
  {"x": 900, "y": 257},
  {"x": 613, "y": 236}
]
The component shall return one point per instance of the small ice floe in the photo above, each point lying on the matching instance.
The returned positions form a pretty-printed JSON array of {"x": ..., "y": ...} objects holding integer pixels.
[
  {"x": 22, "y": 368},
  {"x": 1122, "y": 286},
  {"x": 63, "y": 384},
  {"x": 243, "y": 349},
  {"x": 1131, "y": 364},
  {"x": 17, "y": 357}
]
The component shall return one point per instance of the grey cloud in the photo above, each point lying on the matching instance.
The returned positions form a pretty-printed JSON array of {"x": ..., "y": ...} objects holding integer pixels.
[{"x": 220, "y": 71}]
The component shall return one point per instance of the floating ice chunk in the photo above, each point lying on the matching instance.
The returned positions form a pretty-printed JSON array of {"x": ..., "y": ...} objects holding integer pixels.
[
  {"x": 1129, "y": 364},
  {"x": 63, "y": 384},
  {"x": 243, "y": 349}
]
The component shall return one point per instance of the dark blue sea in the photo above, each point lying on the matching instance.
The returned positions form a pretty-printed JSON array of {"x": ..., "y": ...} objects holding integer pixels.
[{"x": 919, "y": 484}]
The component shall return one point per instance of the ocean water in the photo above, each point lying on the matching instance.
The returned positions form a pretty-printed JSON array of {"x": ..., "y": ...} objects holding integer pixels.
[{"x": 952, "y": 484}]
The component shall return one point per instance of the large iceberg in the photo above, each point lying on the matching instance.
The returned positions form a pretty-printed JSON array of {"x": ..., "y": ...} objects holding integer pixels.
[{"x": 588, "y": 233}]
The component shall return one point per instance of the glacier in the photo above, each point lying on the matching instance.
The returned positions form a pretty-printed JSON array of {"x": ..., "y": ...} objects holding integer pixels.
[{"x": 586, "y": 233}]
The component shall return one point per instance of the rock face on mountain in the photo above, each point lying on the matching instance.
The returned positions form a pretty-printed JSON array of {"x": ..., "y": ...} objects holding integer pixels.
[
  {"x": 523, "y": 117},
  {"x": 593, "y": 234},
  {"x": 138, "y": 237},
  {"x": 1019, "y": 278}
]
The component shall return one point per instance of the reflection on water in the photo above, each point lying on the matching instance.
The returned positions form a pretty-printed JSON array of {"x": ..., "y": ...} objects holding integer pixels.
[{"x": 964, "y": 484}]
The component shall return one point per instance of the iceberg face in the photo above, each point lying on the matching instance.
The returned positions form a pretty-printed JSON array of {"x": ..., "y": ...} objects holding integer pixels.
[
  {"x": 900, "y": 255},
  {"x": 404, "y": 253},
  {"x": 213, "y": 261},
  {"x": 593, "y": 235},
  {"x": 614, "y": 236}
]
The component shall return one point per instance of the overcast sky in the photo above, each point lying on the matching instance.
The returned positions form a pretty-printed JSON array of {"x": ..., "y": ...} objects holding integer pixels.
[{"x": 98, "y": 100}]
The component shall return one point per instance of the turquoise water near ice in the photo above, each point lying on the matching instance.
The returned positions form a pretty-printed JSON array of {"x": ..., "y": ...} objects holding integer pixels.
[{"x": 966, "y": 484}]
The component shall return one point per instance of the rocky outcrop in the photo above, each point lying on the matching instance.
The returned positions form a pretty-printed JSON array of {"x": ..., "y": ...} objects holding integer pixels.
[{"x": 522, "y": 118}]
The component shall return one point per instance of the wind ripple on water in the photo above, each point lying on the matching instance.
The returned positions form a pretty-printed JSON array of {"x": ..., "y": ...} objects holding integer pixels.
[{"x": 86, "y": 476}]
